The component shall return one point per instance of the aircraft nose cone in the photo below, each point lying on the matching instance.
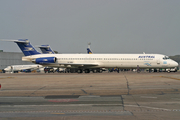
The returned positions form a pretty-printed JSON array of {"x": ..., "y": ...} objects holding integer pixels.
[{"x": 174, "y": 64}]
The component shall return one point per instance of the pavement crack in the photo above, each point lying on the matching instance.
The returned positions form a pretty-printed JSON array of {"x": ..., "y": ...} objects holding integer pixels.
[
  {"x": 122, "y": 101},
  {"x": 36, "y": 91},
  {"x": 136, "y": 102},
  {"x": 127, "y": 85},
  {"x": 84, "y": 91},
  {"x": 167, "y": 83}
]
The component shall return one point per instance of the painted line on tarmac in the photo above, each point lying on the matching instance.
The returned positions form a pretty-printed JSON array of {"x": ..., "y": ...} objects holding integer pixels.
[
  {"x": 71, "y": 105},
  {"x": 170, "y": 77},
  {"x": 148, "y": 97},
  {"x": 148, "y": 107},
  {"x": 7, "y": 77},
  {"x": 57, "y": 113},
  {"x": 92, "y": 111},
  {"x": 64, "y": 100}
]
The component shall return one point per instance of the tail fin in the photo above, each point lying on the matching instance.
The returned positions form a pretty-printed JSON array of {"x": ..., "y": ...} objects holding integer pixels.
[
  {"x": 46, "y": 49},
  {"x": 25, "y": 47},
  {"x": 89, "y": 51}
]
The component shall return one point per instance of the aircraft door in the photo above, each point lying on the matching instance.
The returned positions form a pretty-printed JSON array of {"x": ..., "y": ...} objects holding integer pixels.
[{"x": 158, "y": 61}]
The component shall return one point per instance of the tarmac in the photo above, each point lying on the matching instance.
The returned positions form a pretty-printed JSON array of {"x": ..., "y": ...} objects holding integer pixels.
[{"x": 93, "y": 96}]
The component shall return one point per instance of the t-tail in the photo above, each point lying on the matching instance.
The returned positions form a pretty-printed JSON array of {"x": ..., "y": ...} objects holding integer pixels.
[
  {"x": 46, "y": 49},
  {"x": 89, "y": 51},
  {"x": 25, "y": 47}
]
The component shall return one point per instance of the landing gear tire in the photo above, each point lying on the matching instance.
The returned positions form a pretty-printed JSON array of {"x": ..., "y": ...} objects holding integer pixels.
[
  {"x": 79, "y": 71},
  {"x": 118, "y": 71},
  {"x": 94, "y": 71},
  {"x": 87, "y": 71}
]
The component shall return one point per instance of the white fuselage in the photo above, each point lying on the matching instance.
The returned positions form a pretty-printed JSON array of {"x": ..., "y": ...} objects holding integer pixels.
[
  {"x": 107, "y": 60},
  {"x": 21, "y": 67}
]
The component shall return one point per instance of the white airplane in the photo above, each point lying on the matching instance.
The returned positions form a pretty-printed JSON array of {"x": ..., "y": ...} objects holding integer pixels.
[
  {"x": 16, "y": 68},
  {"x": 86, "y": 61}
]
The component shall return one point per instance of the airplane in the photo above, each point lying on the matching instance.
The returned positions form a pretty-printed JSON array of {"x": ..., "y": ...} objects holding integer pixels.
[
  {"x": 46, "y": 49},
  {"x": 86, "y": 61},
  {"x": 17, "y": 68},
  {"x": 89, "y": 51}
]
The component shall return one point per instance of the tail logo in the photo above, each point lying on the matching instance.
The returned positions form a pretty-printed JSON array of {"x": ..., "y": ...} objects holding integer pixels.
[
  {"x": 148, "y": 64},
  {"x": 29, "y": 49}
]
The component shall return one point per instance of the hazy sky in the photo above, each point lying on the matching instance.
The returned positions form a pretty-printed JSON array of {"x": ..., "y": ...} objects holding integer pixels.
[{"x": 112, "y": 26}]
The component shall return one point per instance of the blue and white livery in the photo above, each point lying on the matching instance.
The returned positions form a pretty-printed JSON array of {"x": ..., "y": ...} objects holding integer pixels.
[
  {"x": 46, "y": 49},
  {"x": 86, "y": 61},
  {"x": 89, "y": 51}
]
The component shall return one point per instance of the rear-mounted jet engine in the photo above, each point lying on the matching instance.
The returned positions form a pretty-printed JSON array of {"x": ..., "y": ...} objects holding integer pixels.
[{"x": 44, "y": 60}]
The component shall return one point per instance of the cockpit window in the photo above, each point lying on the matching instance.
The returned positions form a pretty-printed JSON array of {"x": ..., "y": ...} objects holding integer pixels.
[{"x": 165, "y": 58}]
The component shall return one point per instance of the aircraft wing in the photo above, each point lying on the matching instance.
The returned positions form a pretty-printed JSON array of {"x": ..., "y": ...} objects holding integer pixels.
[
  {"x": 80, "y": 64},
  {"x": 35, "y": 67}
]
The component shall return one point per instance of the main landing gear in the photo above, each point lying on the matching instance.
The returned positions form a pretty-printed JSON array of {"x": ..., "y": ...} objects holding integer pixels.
[{"x": 89, "y": 70}]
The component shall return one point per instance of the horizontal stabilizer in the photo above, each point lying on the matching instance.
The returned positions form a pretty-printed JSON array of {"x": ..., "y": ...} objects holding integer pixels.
[
  {"x": 16, "y": 40},
  {"x": 43, "y": 46},
  {"x": 24, "y": 45}
]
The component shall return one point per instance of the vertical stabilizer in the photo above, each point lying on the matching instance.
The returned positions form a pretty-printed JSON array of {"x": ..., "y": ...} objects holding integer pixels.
[
  {"x": 25, "y": 47},
  {"x": 89, "y": 51},
  {"x": 46, "y": 49}
]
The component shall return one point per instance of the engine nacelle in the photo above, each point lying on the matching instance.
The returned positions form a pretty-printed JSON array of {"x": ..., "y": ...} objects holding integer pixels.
[{"x": 45, "y": 60}]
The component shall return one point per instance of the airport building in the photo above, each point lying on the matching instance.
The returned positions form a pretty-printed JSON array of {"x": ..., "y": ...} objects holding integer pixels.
[{"x": 11, "y": 58}]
